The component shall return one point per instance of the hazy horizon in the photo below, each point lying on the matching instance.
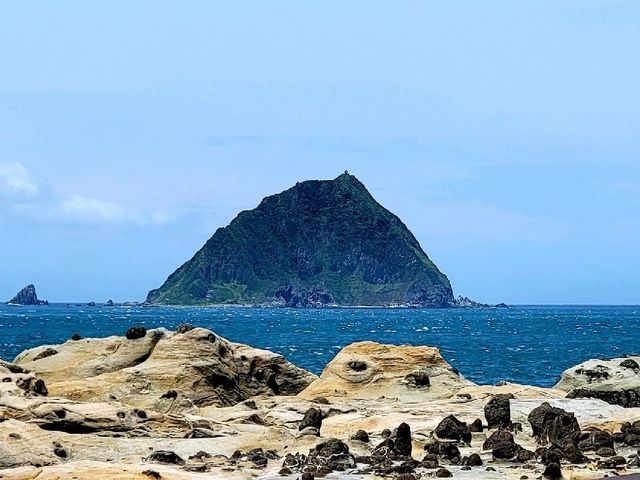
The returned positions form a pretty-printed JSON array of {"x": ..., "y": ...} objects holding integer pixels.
[{"x": 505, "y": 136}]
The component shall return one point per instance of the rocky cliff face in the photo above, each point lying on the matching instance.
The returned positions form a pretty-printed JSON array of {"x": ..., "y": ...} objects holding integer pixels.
[
  {"x": 318, "y": 243},
  {"x": 27, "y": 296}
]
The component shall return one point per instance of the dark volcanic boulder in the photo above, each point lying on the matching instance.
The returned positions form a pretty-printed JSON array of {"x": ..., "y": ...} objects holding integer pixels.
[
  {"x": 627, "y": 398},
  {"x": 498, "y": 411},
  {"x": 313, "y": 418},
  {"x": 165, "y": 456},
  {"x": 450, "y": 428},
  {"x": 525, "y": 455},
  {"x": 403, "y": 440},
  {"x": 317, "y": 243},
  {"x": 332, "y": 454},
  {"x": 136, "y": 332},
  {"x": 474, "y": 460},
  {"x": 476, "y": 426},
  {"x": 27, "y": 296},
  {"x": 499, "y": 436},
  {"x": 443, "y": 473},
  {"x": 551, "y": 424},
  {"x": 571, "y": 452},
  {"x": 552, "y": 472},
  {"x": 595, "y": 439},
  {"x": 446, "y": 450},
  {"x": 565, "y": 450},
  {"x": 605, "y": 452},
  {"x": 630, "y": 363},
  {"x": 505, "y": 450},
  {"x": 361, "y": 436}
]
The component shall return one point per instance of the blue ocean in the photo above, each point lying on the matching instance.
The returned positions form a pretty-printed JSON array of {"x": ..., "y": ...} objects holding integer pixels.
[{"x": 526, "y": 344}]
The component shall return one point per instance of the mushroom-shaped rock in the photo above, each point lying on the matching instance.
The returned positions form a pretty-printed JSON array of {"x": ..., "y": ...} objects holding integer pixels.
[
  {"x": 614, "y": 381},
  {"x": 370, "y": 370}
]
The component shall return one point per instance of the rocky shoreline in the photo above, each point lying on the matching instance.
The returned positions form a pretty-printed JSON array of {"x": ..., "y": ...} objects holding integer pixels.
[{"x": 190, "y": 404}]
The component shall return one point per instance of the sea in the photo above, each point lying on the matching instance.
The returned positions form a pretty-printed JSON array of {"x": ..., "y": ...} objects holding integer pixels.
[{"x": 524, "y": 344}]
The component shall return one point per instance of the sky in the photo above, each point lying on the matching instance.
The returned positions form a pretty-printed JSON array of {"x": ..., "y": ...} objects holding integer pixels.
[{"x": 505, "y": 134}]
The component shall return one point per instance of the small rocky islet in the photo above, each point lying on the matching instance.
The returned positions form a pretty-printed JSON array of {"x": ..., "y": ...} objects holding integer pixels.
[
  {"x": 189, "y": 404},
  {"x": 27, "y": 297}
]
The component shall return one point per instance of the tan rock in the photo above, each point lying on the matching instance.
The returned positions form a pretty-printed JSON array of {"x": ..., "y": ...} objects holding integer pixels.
[
  {"x": 517, "y": 390},
  {"x": 107, "y": 471},
  {"x": 225, "y": 402},
  {"x": 165, "y": 371},
  {"x": 616, "y": 381},
  {"x": 369, "y": 370},
  {"x": 88, "y": 357}
]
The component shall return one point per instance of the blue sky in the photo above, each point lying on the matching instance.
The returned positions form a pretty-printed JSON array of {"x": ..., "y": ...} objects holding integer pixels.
[{"x": 505, "y": 134}]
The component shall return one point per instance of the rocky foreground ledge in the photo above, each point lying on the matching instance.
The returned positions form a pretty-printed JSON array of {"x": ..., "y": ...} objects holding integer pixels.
[{"x": 192, "y": 405}]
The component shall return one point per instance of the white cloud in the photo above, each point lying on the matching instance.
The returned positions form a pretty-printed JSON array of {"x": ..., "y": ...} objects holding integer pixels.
[
  {"x": 25, "y": 198},
  {"x": 16, "y": 182},
  {"x": 83, "y": 208}
]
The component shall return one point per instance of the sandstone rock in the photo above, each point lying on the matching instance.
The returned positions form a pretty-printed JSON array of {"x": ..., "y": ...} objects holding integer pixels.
[
  {"x": 370, "y": 370},
  {"x": 89, "y": 357},
  {"x": 201, "y": 367},
  {"x": 615, "y": 381},
  {"x": 155, "y": 411}
]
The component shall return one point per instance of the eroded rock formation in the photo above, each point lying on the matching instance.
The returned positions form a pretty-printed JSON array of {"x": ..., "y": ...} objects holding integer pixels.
[{"x": 192, "y": 405}]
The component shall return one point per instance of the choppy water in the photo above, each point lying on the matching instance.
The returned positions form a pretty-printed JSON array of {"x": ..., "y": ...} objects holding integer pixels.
[{"x": 530, "y": 345}]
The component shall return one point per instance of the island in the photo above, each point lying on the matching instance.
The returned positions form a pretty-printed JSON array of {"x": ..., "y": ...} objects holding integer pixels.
[
  {"x": 27, "y": 296},
  {"x": 319, "y": 243}
]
